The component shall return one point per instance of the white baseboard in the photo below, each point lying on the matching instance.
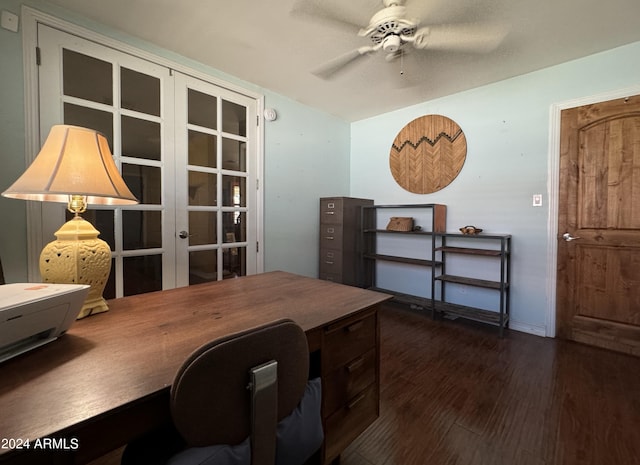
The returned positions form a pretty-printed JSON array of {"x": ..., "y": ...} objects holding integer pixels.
[{"x": 528, "y": 328}]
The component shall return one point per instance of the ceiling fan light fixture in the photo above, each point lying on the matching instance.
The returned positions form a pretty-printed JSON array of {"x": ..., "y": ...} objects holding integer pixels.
[{"x": 391, "y": 43}]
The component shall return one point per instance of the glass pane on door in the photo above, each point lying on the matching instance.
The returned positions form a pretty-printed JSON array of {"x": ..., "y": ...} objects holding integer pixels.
[
  {"x": 203, "y": 149},
  {"x": 234, "y": 155},
  {"x": 145, "y": 182},
  {"x": 202, "y": 109},
  {"x": 140, "y": 92},
  {"x": 141, "y": 138},
  {"x": 98, "y": 120},
  {"x": 87, "y": 78},
  {"x": 203, "y": 188},
  {"x": 142, "y": 274},
  {"x": 234, "y": 260},
  {"x": 203, "y": 227},
  {"x": 234, "y": 118},
  {"x": 141, "y": 229},
  {"x": 203, "y": 266}
]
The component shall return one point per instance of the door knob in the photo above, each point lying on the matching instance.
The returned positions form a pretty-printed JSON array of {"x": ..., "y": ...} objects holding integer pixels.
[
  {"x": 183, "y": 234},
  {"x": 568, "y": 237}
]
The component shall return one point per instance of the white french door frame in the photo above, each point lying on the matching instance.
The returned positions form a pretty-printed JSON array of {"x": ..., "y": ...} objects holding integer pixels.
[{"x": 30, "y": 20}]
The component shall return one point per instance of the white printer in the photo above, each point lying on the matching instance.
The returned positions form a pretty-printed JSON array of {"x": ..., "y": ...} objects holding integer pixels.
[{"x": 33, "y": 314}]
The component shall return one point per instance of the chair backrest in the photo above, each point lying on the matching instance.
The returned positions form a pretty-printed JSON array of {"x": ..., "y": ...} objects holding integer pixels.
[
  {"x": 1, "y": 274},
  {"x": 211, "y": 402}
]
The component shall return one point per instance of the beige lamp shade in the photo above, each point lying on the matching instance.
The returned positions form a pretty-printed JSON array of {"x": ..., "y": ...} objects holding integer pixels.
[
  {"x": 75, "y": 166},
  {"x": 73, "y": 161}
]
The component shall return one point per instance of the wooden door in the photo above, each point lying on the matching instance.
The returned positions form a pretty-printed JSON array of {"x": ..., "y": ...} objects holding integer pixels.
[{"x": 598, "y": 288}]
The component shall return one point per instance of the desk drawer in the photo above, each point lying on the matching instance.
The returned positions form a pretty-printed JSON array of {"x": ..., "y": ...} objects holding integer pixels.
[
  {"x": 347, "y": 382},
  {"x": 347, "y": 340},
  {"x": 347, "y": 423}
]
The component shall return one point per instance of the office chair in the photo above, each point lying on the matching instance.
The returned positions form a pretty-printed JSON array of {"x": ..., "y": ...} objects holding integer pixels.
[
  {"x": 245, "y": 399},
  {"x": 1, "y": 274}
]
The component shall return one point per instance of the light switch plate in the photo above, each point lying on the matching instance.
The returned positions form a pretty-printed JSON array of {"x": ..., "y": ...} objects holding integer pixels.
[
  {"x": 537, "y": 200},
  {"x": 9, "y": 21}
]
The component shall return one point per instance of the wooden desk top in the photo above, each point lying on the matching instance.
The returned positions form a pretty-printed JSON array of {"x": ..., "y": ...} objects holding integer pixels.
[{"x": 110, "y": 360}]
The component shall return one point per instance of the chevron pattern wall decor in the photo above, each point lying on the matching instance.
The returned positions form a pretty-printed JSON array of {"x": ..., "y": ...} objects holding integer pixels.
[{"x": 428, "y": 154}]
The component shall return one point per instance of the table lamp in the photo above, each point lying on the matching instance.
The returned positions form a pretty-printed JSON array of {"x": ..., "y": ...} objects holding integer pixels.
[{"x": 75, "y": 166}]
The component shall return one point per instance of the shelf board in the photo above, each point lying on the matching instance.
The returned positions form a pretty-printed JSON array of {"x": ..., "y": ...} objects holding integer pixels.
[
  {"x": 412, "y": 261},
  {"x": 424, "y": 302},
  {"x": 409, "y": 233},
  {"x": 470, "y": 251},
  {"x": 470, "y": 281},
  {"x": 475, "y": 236},
  {"x": 470, "y": 313}
]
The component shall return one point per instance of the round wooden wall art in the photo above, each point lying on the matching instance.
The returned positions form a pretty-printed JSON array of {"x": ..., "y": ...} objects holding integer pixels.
[{"x": 427, "y": 154}]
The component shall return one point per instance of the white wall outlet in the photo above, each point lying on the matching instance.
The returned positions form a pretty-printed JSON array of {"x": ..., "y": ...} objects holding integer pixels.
[
  {"x": 537, "y": 200},
  {"x": 9, "y": 21}
]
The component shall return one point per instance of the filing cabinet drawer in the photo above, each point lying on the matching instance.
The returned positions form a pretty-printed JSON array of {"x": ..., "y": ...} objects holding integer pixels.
[
  {"x": 331, "y": 210},
  {"x": 330, "y": 261},
  {"x": 330, "y": 236},
  {"x": 348, "y": 381},
  {"x": 347, "y": 340},
  {"x": 347, "y": 423},
  {"x": 333, "y": 277}
]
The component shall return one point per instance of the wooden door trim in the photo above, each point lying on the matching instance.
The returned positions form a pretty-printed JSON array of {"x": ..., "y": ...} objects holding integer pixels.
[{"x": 553, "y": 179}]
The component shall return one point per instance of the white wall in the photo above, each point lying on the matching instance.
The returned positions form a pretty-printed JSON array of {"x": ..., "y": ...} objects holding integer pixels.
[{"x": 507, "y": 129}]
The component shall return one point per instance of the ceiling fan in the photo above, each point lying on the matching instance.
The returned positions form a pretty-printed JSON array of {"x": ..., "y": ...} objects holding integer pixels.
[{"x": 391, "y": 31}]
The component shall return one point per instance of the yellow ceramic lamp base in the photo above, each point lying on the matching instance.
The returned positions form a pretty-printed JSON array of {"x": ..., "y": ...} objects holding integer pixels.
[{"x": 78, "y": 257}]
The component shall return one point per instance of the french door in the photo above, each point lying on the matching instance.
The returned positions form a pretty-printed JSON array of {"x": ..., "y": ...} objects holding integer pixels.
[
  {"x": 185, "y": 149},
  {"x": 216, "y": 184}
]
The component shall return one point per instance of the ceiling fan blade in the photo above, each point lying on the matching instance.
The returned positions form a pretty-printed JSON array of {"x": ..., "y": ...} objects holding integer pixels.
[
  {"x": 327, "y": 70},
  {"x": 432, "y": 9},
  {"x": 318, "y": 11},
  {"x": 471, "y": 37}
]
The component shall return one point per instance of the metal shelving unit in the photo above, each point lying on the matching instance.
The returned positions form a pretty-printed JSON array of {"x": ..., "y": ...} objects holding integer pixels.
[
  {"x": 442, "y": 245},
  {"x": 500, "y": 251},
  {"x": 369, "y": 240}
]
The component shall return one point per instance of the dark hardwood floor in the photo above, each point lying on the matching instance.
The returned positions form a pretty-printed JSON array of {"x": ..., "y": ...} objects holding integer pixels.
[{"x": 452, "y": 393}]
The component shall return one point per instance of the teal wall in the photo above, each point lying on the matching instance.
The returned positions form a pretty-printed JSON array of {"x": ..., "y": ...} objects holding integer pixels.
[
  {"x": 507, "y": 128},
  {"x": 309, "y": 154},
  {"x": 306, "y": 156}
]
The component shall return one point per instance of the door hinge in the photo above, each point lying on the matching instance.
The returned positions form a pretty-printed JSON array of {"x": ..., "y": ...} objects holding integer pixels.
[
  {"x": 257, "y": 184},
  {"x": 257, "y": 247},
  {"x": 38, "y": 57},
  {"x": 257, "y": 120}
]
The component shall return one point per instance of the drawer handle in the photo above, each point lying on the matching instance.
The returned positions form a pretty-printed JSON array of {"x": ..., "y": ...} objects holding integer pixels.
[
  {"x": 329, "y": 238},
  {"x": 354, "y": 327},
  {"x": 329, "y": 213},
  {"x": 328, "y": 262},
  {"x": 355, "y": 365},
  {"x": 356, "y": 401}
]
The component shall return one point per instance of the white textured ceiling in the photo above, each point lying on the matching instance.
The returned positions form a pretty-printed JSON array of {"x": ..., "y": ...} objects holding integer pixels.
[{"x": 276, "y": 44}]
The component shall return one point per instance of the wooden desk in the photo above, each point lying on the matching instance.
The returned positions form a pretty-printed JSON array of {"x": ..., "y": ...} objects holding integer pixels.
[{"x": 107, "y": 380}]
